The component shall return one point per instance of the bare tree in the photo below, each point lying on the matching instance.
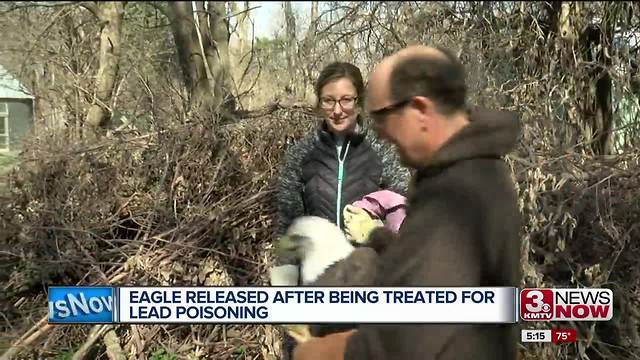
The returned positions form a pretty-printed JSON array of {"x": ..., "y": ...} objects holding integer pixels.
[
  {"x": 590, "y": 43},
  {"x": 220, "y": 64},
  {"x": 109, "y": 14},
  {"x": 290, "y": 31},
  {"x": 306, "y": 54},
  {"x": 202, "y": 43},
  {"x": 194, "y": 70},
  {"x": 243, "y": 29}
]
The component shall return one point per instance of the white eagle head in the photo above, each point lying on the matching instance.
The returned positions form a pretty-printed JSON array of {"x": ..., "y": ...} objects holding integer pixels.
[{"x": 317, "y": 242}]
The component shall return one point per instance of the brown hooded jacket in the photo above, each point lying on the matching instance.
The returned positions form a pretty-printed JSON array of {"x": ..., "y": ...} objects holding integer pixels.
[{"x": 462, "y": 229}]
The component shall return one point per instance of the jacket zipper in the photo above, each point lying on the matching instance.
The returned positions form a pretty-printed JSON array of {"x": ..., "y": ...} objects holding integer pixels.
[{"x": 340, "y": 177}]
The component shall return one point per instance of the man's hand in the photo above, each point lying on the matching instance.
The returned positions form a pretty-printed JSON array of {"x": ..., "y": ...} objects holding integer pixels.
[
  {"x": 358, "y": 224},
  {"x": 300, "y": 333},
  {"x": 330, "y": 347}
]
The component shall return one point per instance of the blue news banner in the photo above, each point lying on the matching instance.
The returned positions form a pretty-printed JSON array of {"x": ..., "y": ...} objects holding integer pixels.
[{"x": 281, "y": 305}]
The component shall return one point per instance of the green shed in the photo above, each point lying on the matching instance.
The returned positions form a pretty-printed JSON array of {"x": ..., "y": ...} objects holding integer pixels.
[{"x": 16, "y": 111}]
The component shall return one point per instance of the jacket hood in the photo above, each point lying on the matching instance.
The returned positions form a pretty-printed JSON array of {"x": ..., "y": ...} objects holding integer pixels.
[{"x": 489, "y": 134}]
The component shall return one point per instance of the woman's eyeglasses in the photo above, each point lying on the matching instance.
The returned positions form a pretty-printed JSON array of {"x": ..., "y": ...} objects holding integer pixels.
[{"x": 346, "y": 103}]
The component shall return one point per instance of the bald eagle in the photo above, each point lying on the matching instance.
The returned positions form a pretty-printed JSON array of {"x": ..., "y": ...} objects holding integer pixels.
[{"x": 327, "y": 259}]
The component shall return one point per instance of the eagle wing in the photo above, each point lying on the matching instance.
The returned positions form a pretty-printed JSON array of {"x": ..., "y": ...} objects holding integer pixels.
[
  {"x": 358, "y": 269},
  {"x": 284, "y": 275}
]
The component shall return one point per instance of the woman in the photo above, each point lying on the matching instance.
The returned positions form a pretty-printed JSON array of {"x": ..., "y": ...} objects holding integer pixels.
[{"x": 341, "y": 161}]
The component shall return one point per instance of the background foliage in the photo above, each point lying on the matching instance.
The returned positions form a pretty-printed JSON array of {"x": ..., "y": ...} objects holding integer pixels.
[{"x": 170, "y": 185}]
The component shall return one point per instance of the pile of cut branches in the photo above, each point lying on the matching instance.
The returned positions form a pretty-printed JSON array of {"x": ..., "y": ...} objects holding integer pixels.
[{"x": 186, "y": 205}]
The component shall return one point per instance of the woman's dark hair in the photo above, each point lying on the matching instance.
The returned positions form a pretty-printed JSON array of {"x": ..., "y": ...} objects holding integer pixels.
[{"x": 338, "y": 70}]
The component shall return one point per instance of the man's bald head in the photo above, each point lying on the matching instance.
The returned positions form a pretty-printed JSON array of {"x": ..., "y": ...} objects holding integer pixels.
[
  {"x": 419, "y": 70},
  {"x": 416, "y": 51}
]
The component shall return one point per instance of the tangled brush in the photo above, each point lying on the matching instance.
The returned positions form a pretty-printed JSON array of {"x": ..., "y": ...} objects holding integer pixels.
[
  {"x": 580, "y": 216},
  {"x": 187, "y": 205}
]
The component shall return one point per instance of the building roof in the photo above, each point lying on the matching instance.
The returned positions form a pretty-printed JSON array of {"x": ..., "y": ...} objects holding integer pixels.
[{"x": 11, "y": 88}]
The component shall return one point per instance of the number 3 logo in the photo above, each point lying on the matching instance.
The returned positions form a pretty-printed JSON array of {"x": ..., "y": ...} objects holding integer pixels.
[{"x": 536, "y": 301}]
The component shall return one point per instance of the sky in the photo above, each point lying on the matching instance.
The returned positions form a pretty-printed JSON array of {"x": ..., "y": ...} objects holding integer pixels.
[{"x": 269, "y": 18}]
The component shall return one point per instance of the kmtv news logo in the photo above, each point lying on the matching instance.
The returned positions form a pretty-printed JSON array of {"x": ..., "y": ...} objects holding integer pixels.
[
  {"x": 566, "y": 304},
  {"x": 88, "y": 305}
]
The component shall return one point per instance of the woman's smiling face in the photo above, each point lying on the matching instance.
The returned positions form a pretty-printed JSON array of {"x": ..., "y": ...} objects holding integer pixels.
[{"x": 338, "y": 103}]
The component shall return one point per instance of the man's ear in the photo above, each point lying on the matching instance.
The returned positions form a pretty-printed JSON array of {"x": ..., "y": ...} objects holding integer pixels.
[
  {"x": 424, "y": 105},
  {"x": 425, "y": 108}
]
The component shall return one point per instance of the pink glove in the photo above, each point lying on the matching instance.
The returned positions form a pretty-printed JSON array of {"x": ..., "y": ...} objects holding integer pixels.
[{"x": 385, "y": 205}]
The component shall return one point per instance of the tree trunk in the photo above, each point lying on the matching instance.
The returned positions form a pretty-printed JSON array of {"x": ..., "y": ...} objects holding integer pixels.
[
  {"x": 110, "y": 17},
  {"x": 243, "y": 30},
  {"x": 290, "y": 28},
  {"x": 190, "y": 56},
  {"x": 592, "y": 43},
  {"x": 205, "y": 43},
  {"x": 219, "y": 54},
  {"x": 602, "y": 90},
  {"x": 308, "y": 46},
  {"x": 74, "y": 109}
]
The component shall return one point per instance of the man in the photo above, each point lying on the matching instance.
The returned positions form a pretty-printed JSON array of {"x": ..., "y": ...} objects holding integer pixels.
[{"x": 462, "y": 224}]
